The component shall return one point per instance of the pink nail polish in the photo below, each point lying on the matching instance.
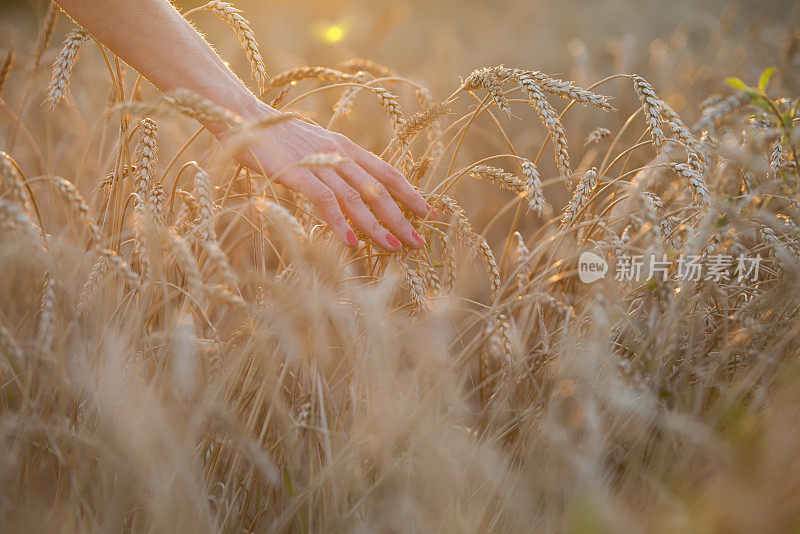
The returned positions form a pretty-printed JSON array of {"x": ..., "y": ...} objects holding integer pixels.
[
  {"x": 393, "y": 242},
  {"x": 352, "y": 240},
  {"x": 418, "y": 238},
  {"x": 433, "y": 211}
]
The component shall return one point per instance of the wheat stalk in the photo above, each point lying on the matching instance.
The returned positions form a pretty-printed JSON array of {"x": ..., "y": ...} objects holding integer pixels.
[
  {"x": 141, "y": 224},
  {"x": 694, "y": 179},
  {"x": 182, "y": 256},
  {"x": 651, "y": 105},
  {"x": 241, "y": 27},
  {"x": 11, "y": 350},
  {"x": 366, "y": 65},
  {"x": 476, "y": 241},
  {"x": 416, "y": 285},
  {"x": 552, "y": 122},
  {"x": 5, "y": 70},
  {"x": 449, "y": 262},
  {"x": 204, "y": 225},
  {"x": 118, "y": 263},
  {"x": 391, "y": 106},
  {"x": 158, "y": 200},
  {"x": 14, "y": 221},
  {"x": 521, "y": 254},
  {"x": 192, "y": 207},
  {"x": 282, "y": 220},
  {"x": 696, "y": 150},
  {"x": 498, "y": 338},
  {"x": 776, "y": 156},
  {"x": 344, "y": 105},
  {"x": 47, "y": 326},
  {"x": 421, "y": 120},
  {"x": 487, "y": 78},
  {"x": 302, "y": 73},
  {"x": 580, "y": 197},
  {"x": 561, "y": 88},
  {"x": 716, "y": 113},
  {"x": 75, "y": 200},
  {"x": 499, "y": 177},
  {"x": 428, "y": 272},
  {"x": 533, "y": 186},
  {"x": 146, "y": 159},
  {"x": 45, "y": 33},
  {"x": 12, "y": 181},
  {"x": 597, "y": 135},
  {"x": 62, "y": 68},
  {"x": 200, "y": 108}
]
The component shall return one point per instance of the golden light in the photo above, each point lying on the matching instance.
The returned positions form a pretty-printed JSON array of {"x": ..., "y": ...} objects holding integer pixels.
[{"x": 333, "y": 33}]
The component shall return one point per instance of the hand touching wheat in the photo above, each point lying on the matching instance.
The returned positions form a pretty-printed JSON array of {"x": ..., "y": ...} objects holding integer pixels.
[{"x": 160, "y": 44}]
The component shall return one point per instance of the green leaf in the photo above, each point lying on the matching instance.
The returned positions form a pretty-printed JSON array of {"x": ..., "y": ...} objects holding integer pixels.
[
  {"x": 764, "y": 79},
  {"x": 736, "y": 83}
]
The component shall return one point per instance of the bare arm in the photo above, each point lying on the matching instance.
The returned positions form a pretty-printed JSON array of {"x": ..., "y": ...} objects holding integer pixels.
[{"x": 153, "y": 38}]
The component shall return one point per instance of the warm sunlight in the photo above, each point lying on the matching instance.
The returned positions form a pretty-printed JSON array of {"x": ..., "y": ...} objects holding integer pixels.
[{"x": 400, "y": 266}]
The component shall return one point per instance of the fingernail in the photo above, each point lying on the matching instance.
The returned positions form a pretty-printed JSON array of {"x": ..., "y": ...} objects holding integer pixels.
[
  {"x": 418, "y": 238},
  {"x": 352, "y": 240},
  {"x": 393, "y": 242},
  {"x": 433, "y": 211}
]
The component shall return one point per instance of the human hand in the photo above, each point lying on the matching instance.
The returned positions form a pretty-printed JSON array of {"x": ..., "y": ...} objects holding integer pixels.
[{"x": 362, "y": 187}]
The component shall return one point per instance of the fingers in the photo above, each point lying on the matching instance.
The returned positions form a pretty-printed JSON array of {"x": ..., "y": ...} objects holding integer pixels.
[
  {"x": 326, "y": 202},
  {"x": 377, "y": 196},
  {"x": 395, "y": 182},
  {"x": 353, "y": 205}
]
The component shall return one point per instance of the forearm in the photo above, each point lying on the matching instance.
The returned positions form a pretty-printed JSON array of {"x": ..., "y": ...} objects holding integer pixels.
[{"x": 153, "y": 38}]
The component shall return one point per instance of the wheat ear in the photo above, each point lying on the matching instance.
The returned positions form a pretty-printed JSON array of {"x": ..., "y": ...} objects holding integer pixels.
[
  {"x": 365, "y": 65},
  {"x": 12, "y": 181},
  {"x": 241, "y": 27},
  {"x": 146, "y": 158},
  {"x": 488, "y": 79},
  {"x": 197, "y": 107},
  {"x": 580, "y": 198},
  {"x": 5, "y": 70},
  {"x": 204, "y": 225},
  {"x": 46, "y": 32},
  {"x": 521, "y": 254},
  {"x": 652, "y": 109},
  {"x": 421, "y": 120},
  {"x": 75, "y": 200},
  {"x": 476, "y": 242},
  {"x": 552, "y": 122},
  {"x": 694, "y": 178},
  {"x": 391, "y": 106},
  {"x": 719, "y": 111},
  {"x": 47, "y": 310},
  {"x": 533, "y": 186},
  {"x": 561, "y": 88},
  {"x": 301, "y": 73},
  {"x": 499, "y": 177},
  {"x": 62, "y": 68},
  {"x": 597, "y": 135}
]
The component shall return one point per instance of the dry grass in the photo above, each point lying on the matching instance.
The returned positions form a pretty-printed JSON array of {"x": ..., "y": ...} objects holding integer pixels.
[{"x": 185, "y": 347}]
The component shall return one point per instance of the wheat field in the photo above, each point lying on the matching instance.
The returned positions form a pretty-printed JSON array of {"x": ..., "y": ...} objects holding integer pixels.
[{"x": 186, "y": 347}]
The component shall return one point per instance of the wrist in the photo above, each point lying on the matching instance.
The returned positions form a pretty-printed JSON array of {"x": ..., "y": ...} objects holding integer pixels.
[{"x": 236, "y": 98}]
